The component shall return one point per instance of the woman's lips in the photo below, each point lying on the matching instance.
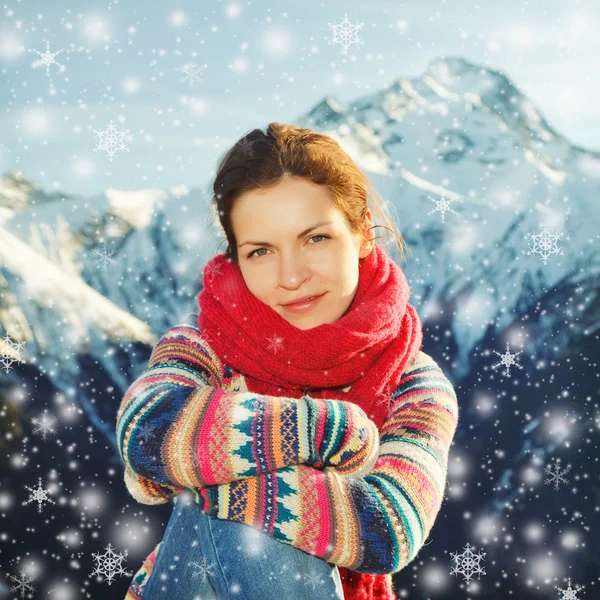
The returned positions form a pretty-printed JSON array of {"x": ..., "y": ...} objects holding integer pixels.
[{"x": 304, "y": 306}]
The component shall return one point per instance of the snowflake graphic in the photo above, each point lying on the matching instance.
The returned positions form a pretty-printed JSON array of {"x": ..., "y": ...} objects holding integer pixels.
[
  {"x": 313, "y": 579},
  {"x": 569, "y": 594},
  {"x": 191, "y": 73},
  {"x": 386, "y": 396},
  {"x": 275, "y": 343},
  {"x": 204, "y": 569},
  {"x": 110, "y": 564},
  {"x": 442, "y": 206},
  {"x": 39, "y": 495},
  {"x": 146, "y": 432},
  {"x": 44, "y": 424},
  {"x": 545, "y": 243},
  {"x": 104, "y": 257},
  {"x": 556, "y": 475},
  {"x": 507, "y": 360},
  {"x": 10, "y": 352},
  {"x": 467, "y": 563},
  {"x": 22, "y": 584},
  {"x": 212, "y": 269},
  {"x": 47, "y": 59},
  {"x": 111, "y": 140},
  {"x": 345, "y": 34},
  {"x": 246, "y": 146}
]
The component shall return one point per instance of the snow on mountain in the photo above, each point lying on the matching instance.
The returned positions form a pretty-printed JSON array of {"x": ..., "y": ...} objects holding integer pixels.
[{"x": 467, "y": 135}]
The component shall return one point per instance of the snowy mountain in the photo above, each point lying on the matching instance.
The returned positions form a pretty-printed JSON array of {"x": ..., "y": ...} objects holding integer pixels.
[{"x": 499, "y": 211}]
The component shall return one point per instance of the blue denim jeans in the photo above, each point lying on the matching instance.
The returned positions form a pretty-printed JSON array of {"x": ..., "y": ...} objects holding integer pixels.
[{"x": 205, "y": 558}]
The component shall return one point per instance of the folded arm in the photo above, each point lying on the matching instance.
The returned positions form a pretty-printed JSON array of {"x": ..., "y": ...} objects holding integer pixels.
[
  {"x": 376, "y": 523},
  {"x": 177, "y": 427}
]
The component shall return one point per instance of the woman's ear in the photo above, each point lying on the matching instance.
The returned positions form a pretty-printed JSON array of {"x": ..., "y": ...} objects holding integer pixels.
[{"x": 367, "y": 245}]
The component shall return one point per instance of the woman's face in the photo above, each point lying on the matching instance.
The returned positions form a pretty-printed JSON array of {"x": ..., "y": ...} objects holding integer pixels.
[{"x": 278, "y": 266}]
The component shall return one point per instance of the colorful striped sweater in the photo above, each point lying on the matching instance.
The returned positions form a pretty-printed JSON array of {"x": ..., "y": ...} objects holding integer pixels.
[{"x": 366, "y": 500}]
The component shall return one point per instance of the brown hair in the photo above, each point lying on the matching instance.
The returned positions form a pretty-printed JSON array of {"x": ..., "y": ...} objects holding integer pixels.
[{"x": 260, "y": 160}]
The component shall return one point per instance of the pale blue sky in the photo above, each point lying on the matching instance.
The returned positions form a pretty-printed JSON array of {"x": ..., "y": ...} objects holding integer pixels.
[{"x": 266, "y": 61}]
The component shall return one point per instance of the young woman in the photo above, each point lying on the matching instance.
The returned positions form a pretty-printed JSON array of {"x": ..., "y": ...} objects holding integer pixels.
[{"x": 313, "y": 438}]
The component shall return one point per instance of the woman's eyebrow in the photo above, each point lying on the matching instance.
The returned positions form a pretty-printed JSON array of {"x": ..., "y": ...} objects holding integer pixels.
[{"x": 300, "y": 235}]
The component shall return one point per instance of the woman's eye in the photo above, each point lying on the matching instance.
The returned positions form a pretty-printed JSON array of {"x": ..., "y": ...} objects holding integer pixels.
[{"x": 314, "y": 236}]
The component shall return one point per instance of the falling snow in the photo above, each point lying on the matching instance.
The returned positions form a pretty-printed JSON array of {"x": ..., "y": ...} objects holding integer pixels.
[
  {"x": 545, "y": 243},
  {"x": 508, "y": 359},
  {"x": 44, "y": 424},
  {"x": 557, "y": 475},
  {"x": 442, "y": 205},
  {"x": 345, "y": 34},
  {"x": 111, "y": 140},
  {"x": 23, "y": 585},
  {"x": 47, "y": 59},
  {"x": 569, "y": 593},
  {"x": 468, "y": 563},
  {"x": 192, "y": 73},
  {"x": 39, "y": 495},
  {"x": 10, "y": 352},
  {"x": 110, "y": 564},
  {"x": 104, "y": 256}
]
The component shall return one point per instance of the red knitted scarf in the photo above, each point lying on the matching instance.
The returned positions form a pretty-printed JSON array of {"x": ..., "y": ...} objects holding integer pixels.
[{"x": 368, "y": 347}]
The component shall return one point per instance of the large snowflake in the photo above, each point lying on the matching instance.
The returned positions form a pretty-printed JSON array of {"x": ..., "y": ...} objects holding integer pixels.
[
  {"x": 345, "y": 34},
  {"x": 111, "y": 140},
  {"x": 556, "y": 475},
  {"x": 468, "y": 563},
  {"x": 545, "y": 243},
  {"x": 191, "y": 73},
  {"x": 10, "y": 352},
  {"x": 22, "y": 584},
  {"x": 110, "y": 564},
  {"x": 442, "y": 206},
  {"x": 507, "y": 360},
  {"x": 569, "y": 594},
  {"x": 104, "y": 256},
  {"x": 204, "y": 569},
  {"x": 45, "y": 424},
  {"x": 39, "y": 495},
  {"x": 47, "y": 59},
  {"x": 275, "y": 343}
]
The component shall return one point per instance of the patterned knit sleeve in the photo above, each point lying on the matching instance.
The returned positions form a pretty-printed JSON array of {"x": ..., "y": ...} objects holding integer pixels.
[
  {"x": 177, "y": 427},
  {"x": 375, "y": 523}
]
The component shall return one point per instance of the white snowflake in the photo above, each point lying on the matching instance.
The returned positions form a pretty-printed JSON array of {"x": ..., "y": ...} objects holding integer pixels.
[
  {"x": 192, "y": 72},
  {"x": 104, "y": 257},
  {"x": 569, "y": 594},
  {"x": 10, "y": 352},
  {"x": 467, "y": 564},
  {"x": 110, "y": 564},
  {"x": 23, "y": 584},
  {"x": 545, "y": 243},
  {"x": 204, "y": 569},
  {"x": 275, "y": 343},
  {"x": 314, "y": 580},
  {"x": 111, "y": 140},
  {"x": 39, "y": 495},
  {"x": 556, "y": 475},
  {"x": 44, "y": 424},
  {"x": 345, "y": 34},
  {"x": 386, "y": 396},
  {"x": 442, "y": 206},
  {"x": 146, "y": 432},
  {"x": 246, "y": 146},
  {"x": 213, "y": 269},
  {"x": 47, "y": 59},
  {"x": 507, "y": 360}
]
